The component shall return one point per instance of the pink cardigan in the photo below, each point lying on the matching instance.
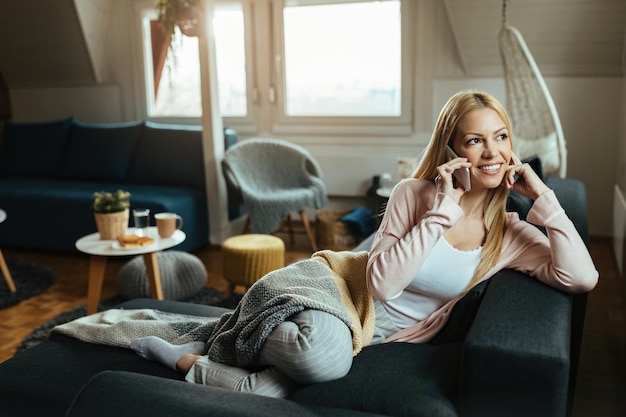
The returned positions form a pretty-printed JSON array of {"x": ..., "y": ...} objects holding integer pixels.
[{"x": 417, "y": 216}]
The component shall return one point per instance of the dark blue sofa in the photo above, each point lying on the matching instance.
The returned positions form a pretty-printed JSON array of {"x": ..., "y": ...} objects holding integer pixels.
[{"x": 49, "y": 172}]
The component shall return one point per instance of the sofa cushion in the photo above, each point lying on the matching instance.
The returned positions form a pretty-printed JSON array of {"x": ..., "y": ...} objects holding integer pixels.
[
  {"x": 33, "y": 149},
  {"x": 33, "y": 384},
  {"x": 426, "y": 388},
  {"x": 100, "y": 152},
  {"x": 145, "y": 395},
  {"x": 169, "y": 155}
]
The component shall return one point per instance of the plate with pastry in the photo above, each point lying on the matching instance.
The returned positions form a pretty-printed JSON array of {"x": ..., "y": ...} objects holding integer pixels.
[{"x": 133, "y": 241}]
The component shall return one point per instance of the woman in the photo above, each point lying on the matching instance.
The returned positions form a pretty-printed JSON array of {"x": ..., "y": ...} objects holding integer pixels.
[{"x": 437, "y": 239}]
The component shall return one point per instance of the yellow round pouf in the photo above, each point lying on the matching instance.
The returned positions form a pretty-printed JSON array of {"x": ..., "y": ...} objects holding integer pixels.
[{"x": 246, "y": 258}]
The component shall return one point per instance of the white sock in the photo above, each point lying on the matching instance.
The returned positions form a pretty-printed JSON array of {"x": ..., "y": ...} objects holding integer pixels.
[{"x": 156, "y": 349}]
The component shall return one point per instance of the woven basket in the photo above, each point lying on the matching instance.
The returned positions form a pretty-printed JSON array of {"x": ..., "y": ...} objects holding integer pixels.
[
  {"x": 331, "y": 232},
  {"x": 112, "y": 225}
]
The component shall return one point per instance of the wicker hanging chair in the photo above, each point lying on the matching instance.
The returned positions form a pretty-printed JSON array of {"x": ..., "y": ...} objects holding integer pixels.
[{"x": 535, "y": 121}]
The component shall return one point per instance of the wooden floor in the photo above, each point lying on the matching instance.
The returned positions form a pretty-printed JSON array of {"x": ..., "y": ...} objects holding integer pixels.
[{"x": 602, "y": 374}]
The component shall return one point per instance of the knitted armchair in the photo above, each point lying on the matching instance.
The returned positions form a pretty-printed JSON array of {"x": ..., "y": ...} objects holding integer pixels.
[{"x": 272, "y": 178}]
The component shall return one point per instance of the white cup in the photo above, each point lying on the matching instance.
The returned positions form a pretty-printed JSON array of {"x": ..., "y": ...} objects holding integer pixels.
[{"x": 168, "y": 223}]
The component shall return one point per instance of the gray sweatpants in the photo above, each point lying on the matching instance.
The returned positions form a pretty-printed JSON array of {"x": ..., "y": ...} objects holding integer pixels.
[{"x": 310, "y": 347}]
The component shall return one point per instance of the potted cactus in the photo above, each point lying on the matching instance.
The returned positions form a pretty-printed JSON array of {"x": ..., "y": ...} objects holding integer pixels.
[{"x": 111, "y": 213}]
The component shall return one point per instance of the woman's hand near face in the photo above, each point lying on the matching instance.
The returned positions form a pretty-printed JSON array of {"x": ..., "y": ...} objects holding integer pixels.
[
  {"x": 444, "y": 180},
  {"x": 522, "y": 179}
]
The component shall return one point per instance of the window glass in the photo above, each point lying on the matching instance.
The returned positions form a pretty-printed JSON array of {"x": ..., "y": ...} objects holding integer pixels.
[
  {"x": 178, "y": 79},
  {"x": 178, "y": 92},
  {"x": 231, "y": 59},
  {"x": 342, "y": 59}
]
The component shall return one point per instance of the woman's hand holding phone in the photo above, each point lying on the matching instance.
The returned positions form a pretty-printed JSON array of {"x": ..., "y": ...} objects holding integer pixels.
[
  {"x": 462, "y": 175},
  {"x": 458, "y": 168}
]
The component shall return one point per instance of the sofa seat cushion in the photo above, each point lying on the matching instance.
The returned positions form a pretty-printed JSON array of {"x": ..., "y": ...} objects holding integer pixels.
[
  {"x": 33, "y": 149},
  {"x": 101, "y": 152},
  {"x": 43, "y": 380},
  {"x": 427, "y": 387},
  {"x": 145, "y": 395},
  {"x": 64, "y": 210}
]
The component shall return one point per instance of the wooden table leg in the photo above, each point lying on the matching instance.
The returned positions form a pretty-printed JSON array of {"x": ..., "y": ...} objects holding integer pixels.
[
  {"x": 97, "y": 265},
  {"x": 6, "y": 273},
  {"x": 154, "y": 276}
]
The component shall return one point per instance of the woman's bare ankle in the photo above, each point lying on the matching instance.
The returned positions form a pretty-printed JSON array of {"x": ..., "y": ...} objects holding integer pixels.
[{"x": 184, "y": 364}]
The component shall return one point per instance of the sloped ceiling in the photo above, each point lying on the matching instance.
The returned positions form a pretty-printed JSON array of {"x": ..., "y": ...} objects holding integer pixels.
[
  {"x": 566, "y": 37},
  {"x": 42, "y": 44}
]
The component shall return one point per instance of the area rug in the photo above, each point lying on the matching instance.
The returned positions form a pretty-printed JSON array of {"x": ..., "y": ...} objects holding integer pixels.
[
  {"x": 31, "y": 278},
  {"x": 207, "y": 296}
]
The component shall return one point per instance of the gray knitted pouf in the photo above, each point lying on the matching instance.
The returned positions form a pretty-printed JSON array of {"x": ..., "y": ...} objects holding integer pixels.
[{"x": 182, "y": 275}]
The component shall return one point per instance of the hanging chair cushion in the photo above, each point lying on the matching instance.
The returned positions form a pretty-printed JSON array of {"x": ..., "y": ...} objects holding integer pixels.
[{"x": 546, "y": 146}]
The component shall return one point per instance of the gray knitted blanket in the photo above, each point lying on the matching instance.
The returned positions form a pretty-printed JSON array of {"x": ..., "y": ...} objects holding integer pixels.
[{"x": 236, "y": 337}]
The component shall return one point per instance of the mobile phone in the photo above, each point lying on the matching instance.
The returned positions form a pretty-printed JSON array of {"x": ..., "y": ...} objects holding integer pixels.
[{"x": 462, "y": 175}]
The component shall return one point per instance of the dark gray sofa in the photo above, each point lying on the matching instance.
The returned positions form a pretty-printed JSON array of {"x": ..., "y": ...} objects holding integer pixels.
[
  {"x": 509, "y": 349},
  {"x": 49, "y": 172}
]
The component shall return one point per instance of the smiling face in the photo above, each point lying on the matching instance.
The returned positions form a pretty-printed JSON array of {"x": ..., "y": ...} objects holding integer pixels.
[{"x": 482, "y": 138}]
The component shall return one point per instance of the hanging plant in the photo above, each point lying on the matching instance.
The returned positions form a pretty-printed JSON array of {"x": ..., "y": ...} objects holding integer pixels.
[{"x": 188, "y": 15}]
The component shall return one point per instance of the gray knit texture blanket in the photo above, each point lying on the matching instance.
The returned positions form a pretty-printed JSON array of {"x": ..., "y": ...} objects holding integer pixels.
[
  {"x": 275, "y": 178},
  {"x": 236, "y": 337}
]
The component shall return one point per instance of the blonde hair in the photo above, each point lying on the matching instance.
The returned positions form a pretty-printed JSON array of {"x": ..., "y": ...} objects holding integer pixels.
[{"x": 494, "y": 210}]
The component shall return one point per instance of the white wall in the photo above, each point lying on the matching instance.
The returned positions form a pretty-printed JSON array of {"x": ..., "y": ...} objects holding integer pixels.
[{"x": 91, "y": 104}]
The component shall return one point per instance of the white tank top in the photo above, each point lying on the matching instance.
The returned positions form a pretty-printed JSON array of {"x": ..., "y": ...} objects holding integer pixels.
[{"x": 444, "y": 275}]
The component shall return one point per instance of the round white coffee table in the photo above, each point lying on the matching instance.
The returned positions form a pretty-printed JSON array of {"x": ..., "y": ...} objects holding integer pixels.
[
  {"x": 99, "y": 250},
  {"x": 3, "y": 265}
]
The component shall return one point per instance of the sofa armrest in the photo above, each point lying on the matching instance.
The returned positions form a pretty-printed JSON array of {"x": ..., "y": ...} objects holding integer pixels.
[
  {"x": 516, "y": 357},
  {"x": 130, "y": 394},
  {"x": 572, "y": 195}
]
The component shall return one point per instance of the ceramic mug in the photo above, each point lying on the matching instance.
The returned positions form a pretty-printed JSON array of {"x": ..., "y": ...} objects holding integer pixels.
[{"x": 168, "y": 223}]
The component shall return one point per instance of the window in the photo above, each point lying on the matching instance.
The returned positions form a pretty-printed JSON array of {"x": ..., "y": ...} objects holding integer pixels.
[
  {"x": 292, "y": 65},
  {"x": 231, "y": 59}
]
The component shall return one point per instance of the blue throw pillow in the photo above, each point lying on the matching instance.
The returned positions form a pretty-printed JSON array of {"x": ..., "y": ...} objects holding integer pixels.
[
  {"x": 33, "y": 149},
  {"x": 361, "y": 222},
  {"x": 101, "y": 152}
]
